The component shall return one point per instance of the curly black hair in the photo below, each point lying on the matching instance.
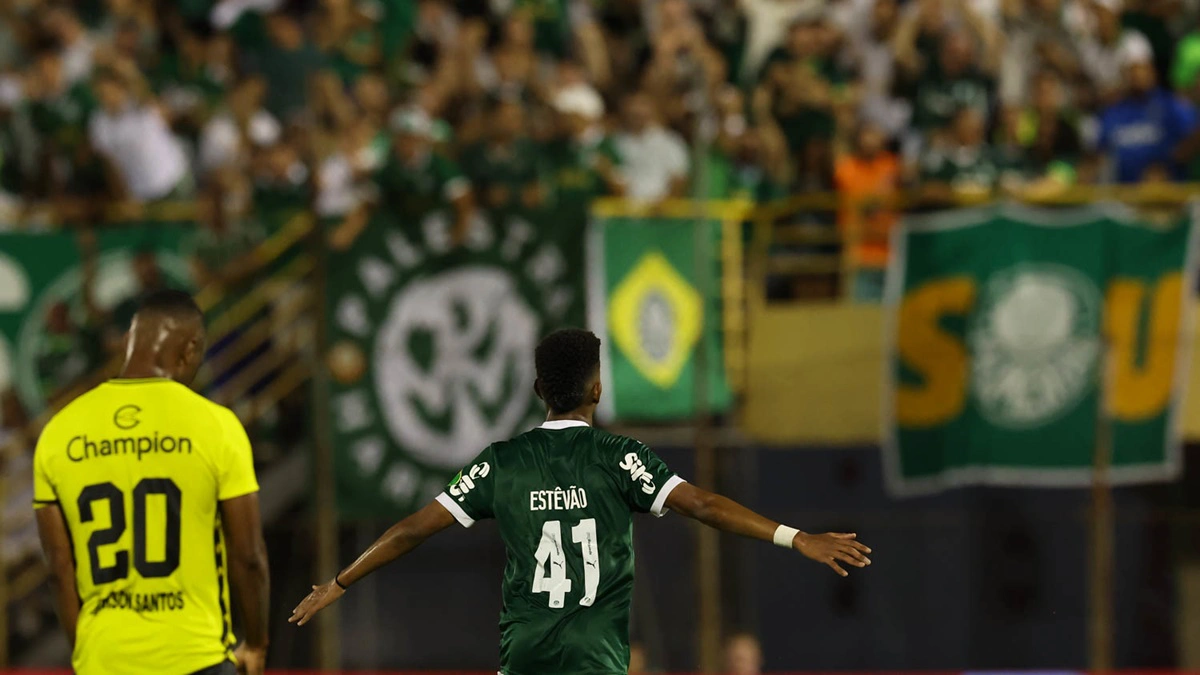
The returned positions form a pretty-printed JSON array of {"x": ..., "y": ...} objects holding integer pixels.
[{"x": 566, "y": 360}]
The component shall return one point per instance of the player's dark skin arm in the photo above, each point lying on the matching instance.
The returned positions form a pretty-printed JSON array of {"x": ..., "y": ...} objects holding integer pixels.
[
  {"x": 56, "y": 544},
  {"x": 400, "y": 539},
  {"x": 727, "y": 515},
  {"x": 249, "y": 573}
]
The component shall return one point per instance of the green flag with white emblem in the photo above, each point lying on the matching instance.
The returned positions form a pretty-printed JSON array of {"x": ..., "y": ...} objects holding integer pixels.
[
  {"x": 1023, "y": 339},
  {"x": 48, "y": 338},
  {"x": 653, "y": 302},
  {"x": 431, "y": 350}
]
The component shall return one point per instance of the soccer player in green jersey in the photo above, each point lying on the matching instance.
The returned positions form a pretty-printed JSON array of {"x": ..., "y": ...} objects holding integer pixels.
[{"x": 564, "y": 495}]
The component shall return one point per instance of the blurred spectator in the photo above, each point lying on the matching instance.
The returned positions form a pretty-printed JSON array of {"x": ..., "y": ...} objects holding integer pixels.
[
  {"x": 504, "y": 167},
  {"x": 746, "y": 162},
  {"x": 583, "y": 161},
  {"x": 349, "y": 37},
  {"x": 243, "y": 124},
  {"x": 1046, "y": 132},
  {"x": 684, "y": 70},
  {"x": 1037, "y": 39},
  {"x": 867, "y": 180},
  {"x": 191, "y": 81},
  {"x": 743, "y": 655},
  {"x": 68, "y": 351},
  {"x": 802, "y": 87},
  {"x": 78, "y": 48},
  {"x": 129, "y": 131},
  {"x": 959, "y": 73},
  {"x": 1140, "y": 132},
  {"x": 767, "y": 23},
  {"x": 57, "y": 110},
  {"x": 287, "y": 63},
  {"x": 339, "y": 177},
  {"x": 964, "y": 164},
  {"x": 281, "y": 183},
  {"x": 414, "y": 180},
  {"x": 869, "y": 51},
  {"x": 654, "y": 159},
  {"x": 13, "y": 418},
  {"x": 1106, "y": 48}
]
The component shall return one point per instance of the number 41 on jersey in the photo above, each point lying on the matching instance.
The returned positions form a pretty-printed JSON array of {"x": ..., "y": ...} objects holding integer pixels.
[{"x": 550, "y": 552}]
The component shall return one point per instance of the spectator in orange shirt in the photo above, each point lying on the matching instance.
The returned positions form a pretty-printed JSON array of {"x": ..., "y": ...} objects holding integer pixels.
[{"x": 867, "y": 179}]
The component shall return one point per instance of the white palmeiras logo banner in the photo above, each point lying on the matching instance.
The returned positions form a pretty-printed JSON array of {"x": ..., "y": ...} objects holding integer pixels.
[
  {"x": 1020, "y": 341},
  {"x": 432, "y": 352},
  {"x": 1036, "y": 340}
]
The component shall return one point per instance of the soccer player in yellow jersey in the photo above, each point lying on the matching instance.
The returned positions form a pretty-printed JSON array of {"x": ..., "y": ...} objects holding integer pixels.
[{"x": 147, "y": 505}]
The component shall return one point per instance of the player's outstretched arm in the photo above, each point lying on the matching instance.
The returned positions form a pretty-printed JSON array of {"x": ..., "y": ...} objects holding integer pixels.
[
  {"x": 251, "y": 577},
  {"x": 727, "y": 515},
  {"x": 56, "y": 544},
  {"x": 401, "y": 538}
]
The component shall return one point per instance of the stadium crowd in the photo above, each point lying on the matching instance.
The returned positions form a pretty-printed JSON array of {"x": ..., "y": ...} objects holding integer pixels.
[
  {"x": 345, "y": 104},
  {"x": 143, "y": 101}
]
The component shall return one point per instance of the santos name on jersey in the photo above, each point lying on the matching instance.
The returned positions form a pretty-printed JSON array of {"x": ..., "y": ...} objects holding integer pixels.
[{"x": 138, "y": 468}]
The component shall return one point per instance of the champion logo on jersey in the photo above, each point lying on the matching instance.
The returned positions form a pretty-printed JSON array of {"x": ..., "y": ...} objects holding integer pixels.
[
  {"x": 126, "y": 417},
  {"x": 638, "y": 471}
]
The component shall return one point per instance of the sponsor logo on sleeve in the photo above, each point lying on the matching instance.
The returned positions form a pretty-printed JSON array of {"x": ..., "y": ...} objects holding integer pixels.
[
  {"x": 464, "y": 482},
  {"x": 639, "y": 472}
]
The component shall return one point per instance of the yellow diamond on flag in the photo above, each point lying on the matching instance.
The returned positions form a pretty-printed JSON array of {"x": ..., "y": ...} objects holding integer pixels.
[{"x": 655, "y": 317}]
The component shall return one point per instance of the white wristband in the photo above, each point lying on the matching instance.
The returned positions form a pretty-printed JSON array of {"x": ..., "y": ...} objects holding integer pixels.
[{"x": 784, "y": 536}]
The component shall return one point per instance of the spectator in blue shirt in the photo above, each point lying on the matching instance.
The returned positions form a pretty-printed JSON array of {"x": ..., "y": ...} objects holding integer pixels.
[{"x": 1140, "y": 132}]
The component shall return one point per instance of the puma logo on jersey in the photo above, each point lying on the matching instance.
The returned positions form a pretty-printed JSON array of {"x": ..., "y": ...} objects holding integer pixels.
[
  {"x": 464, "y": 482},
  {"x": 637, "y": 471}
]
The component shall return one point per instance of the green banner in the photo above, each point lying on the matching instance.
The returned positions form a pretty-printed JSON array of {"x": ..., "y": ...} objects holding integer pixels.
[
  {"x": 48, "y": 338},
  {"x": 654, "y": 303},
  {"x": 1013, "y": 328},
  {"x": 431, "y": 350}
]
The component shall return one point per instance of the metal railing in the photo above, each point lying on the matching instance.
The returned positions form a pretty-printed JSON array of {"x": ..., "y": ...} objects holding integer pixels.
[{"x": 801, "y": 239}]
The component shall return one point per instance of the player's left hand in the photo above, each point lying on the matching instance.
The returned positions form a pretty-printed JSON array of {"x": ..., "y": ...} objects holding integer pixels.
[
  {"x": 832, "y": 549},
  {"x": 321, "y": 597},
  {"x": 250, "y": 660}
]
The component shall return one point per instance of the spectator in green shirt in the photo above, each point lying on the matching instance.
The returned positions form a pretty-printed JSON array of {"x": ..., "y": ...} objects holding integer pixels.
[
  {"x": 58, "y": 112},
  {"x": 582, "y": 161},
  {"x": 1046, "y": 133},
  {"x": 288, "y": 62},
  {"x": 414, "y": 181},
  {"x": 963, "y": 165},
  {"x": 802, "y": 88},
  {"x": 503, "y": 168}
]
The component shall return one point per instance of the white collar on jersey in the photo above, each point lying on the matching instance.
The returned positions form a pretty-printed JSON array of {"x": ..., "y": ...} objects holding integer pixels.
[{"x": 562, "y": 424}]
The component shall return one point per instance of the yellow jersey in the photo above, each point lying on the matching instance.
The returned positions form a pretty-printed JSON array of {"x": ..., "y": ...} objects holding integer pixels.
[{"x": 138, "y": 468}]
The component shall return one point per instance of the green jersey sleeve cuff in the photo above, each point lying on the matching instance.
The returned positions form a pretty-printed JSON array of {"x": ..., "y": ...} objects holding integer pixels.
[
  {"x": 659, "y": 507},
  {"x": 455, "y": 510}
]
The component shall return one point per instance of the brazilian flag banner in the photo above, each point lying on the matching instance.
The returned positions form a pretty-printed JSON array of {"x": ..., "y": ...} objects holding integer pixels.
[{"x": 653, "y": 300}]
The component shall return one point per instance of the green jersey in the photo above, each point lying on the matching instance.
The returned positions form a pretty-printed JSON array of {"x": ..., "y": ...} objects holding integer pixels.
[
  {"x": 409, "y": 191},
  {"x": 982, "y": 167},
  {"x": 564, "y": 495}
]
